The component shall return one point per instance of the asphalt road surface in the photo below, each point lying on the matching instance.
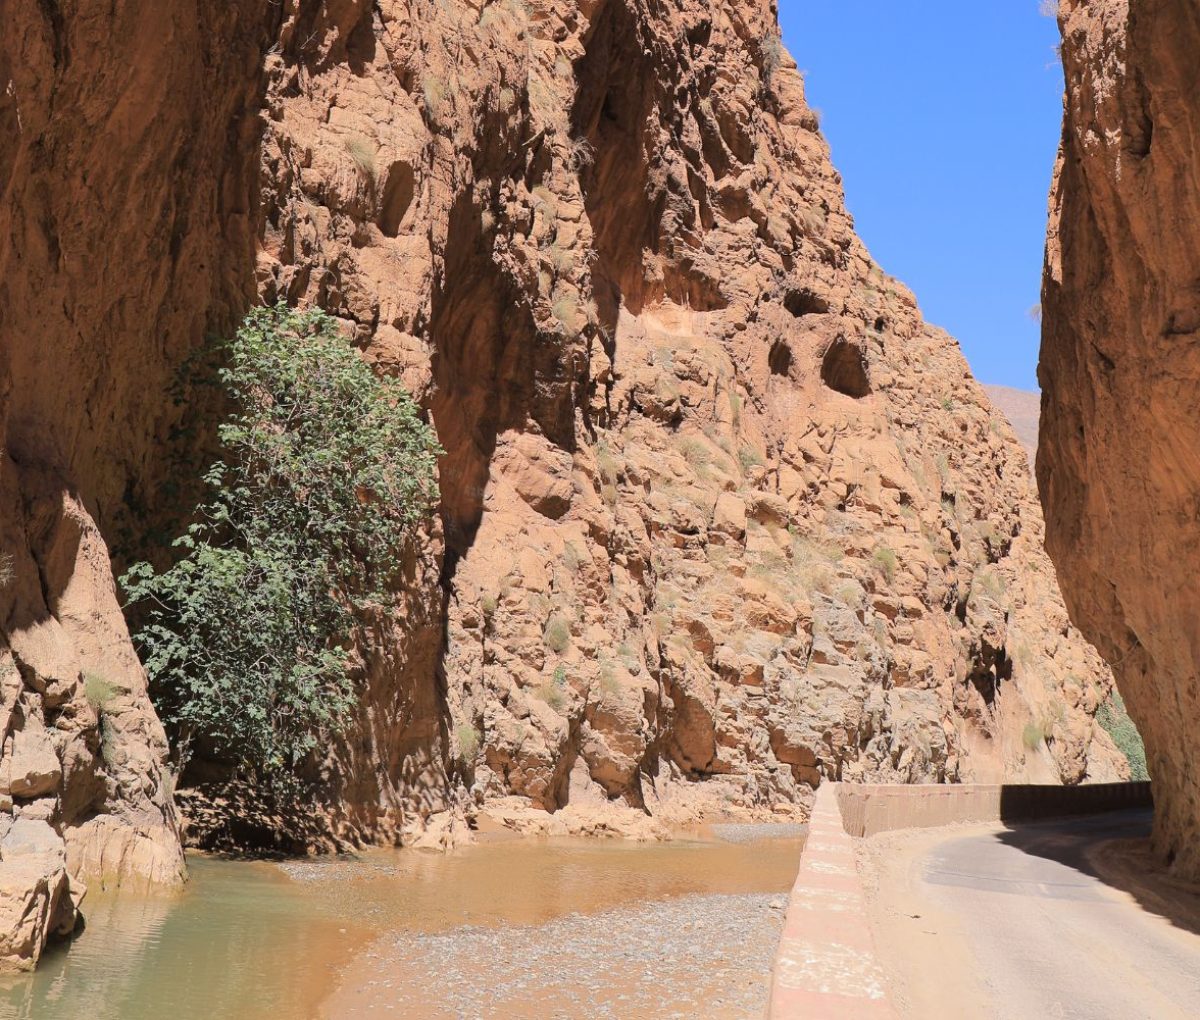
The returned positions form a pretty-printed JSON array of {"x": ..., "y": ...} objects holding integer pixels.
[{"x": 1010, "y": 923}]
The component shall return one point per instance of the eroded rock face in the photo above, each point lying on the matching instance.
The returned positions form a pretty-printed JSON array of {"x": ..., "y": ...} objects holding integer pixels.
[
  {"x": 721, "y": 515},
  {"x": 1120, "y": 423},
  {"x": 125, "y": 232}
]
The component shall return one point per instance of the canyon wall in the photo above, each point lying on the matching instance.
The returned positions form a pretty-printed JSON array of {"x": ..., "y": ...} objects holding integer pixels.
[
  {"x": 721, "y": 514},
  {"x": 1120, "y": 437},
  {"x": 126, "y": 230}
]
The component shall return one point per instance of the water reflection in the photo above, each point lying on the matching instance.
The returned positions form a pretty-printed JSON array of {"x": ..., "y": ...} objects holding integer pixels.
[{"x": 253, "y": 940}]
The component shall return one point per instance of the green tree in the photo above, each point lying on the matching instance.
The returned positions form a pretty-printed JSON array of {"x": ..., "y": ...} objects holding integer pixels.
[{"x": 326, "y": 470}]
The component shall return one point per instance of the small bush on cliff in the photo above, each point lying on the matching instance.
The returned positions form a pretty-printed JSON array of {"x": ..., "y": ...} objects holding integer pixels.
[
  {"x": 1113, "y": 717},
  {"x": 1033, "y": 736},
  {"x": 885, "y": 559},
  {"x": 98, "y": 691},
  {"x": 557, "y": 635},
  {"x": 468, "y": 742},
  {"x": 326, "y": 471}
]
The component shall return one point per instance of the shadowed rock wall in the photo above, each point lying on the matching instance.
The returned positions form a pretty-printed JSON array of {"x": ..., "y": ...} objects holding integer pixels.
[
  {"x": 1119, "y": 458},
  {"x": 127, "y": 205}
]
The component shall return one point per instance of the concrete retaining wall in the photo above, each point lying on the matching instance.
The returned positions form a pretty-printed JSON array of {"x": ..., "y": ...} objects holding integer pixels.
[
  {"x": 826, "y": 968},
  {"x": 867, "y": 810}
]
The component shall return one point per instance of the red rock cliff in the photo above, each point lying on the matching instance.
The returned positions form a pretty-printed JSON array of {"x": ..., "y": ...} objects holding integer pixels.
[
  {"x": 721, "y": 513},
  {"x": 126, "y": 230},
  {"x": 1120, "y": 438}
]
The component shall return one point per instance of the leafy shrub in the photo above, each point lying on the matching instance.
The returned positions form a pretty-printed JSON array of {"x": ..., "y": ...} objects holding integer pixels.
[
  {"x": 326, "y": 471},
  {"x": 1115, "y": 719}
]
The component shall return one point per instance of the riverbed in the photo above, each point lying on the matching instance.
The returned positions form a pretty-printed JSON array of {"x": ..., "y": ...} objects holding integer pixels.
[{"x": 506, "y": 928}]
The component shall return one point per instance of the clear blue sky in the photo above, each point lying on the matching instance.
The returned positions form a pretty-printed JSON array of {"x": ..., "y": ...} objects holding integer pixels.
[{"x": 944, "y": 118}]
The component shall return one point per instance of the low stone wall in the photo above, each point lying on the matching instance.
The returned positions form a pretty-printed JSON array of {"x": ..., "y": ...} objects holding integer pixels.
[
  {"x": 867, "y": 810},
  {"x": 826, "y": 968}
]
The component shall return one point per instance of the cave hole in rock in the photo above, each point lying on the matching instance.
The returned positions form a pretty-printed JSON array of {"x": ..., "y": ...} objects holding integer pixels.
[
  {"x": 844, "y": 369},
  {"x": 398, "y": 193},
  {"x": 780, "y": 358},
  {"x": 804, "y": 302}
]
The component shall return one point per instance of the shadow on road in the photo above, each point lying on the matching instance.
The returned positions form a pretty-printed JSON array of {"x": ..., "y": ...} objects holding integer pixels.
[{"x": 1113, "y": 848}]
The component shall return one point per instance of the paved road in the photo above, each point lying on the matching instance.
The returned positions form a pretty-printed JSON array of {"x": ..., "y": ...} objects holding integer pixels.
[{"x": 1043, "y": 936}]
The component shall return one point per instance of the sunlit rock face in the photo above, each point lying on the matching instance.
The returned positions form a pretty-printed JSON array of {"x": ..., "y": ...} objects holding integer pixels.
[
  {"x": 721, "y": 514},
  {"x": 1119, "y": 460}
]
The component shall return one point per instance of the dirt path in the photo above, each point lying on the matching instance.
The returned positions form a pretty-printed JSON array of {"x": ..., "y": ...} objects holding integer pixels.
[{"x": 1012, "y": 923}]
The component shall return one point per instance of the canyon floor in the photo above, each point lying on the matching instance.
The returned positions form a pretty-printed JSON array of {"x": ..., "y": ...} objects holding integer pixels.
[
  {"x": 695, "y": 956},
  {"x": 1062, "y": 937},
  {"x": 580, "y": 929},
  {"x": 509, "y": 927}
]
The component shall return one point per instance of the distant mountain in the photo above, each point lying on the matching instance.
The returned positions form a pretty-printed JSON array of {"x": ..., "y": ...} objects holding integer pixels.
[{"x": 1022, "y": 408}]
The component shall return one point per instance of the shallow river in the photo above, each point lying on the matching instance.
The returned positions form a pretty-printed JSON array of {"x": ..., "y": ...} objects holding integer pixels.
[{"x": 251, "y": 940}]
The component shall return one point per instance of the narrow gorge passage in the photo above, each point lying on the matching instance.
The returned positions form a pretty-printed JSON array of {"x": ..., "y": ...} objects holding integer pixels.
[{"x": 469, "y": 490}]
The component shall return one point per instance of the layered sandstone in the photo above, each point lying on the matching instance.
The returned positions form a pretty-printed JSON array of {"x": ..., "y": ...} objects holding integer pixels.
[
  {"x": 721, "y": 515},
  {"x": 1120, "y": 426}
]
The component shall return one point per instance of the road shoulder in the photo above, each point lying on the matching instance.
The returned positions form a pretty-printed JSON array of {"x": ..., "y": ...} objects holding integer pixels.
[{"x": 926, "y": 956}]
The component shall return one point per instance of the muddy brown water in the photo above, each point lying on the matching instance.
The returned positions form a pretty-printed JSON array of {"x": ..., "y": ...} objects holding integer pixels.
[{"x": 252, "y": 940}]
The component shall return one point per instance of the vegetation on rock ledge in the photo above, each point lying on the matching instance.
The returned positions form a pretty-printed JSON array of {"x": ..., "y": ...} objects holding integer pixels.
[
  {"x": 326, "y": 471},
  {"x": 1115, "y": 719}
]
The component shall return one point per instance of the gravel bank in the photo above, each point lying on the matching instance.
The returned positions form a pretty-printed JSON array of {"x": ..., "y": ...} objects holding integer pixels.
[
  {"x": 696, "y": 956},
  {"x": 755, "y": 832}
]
